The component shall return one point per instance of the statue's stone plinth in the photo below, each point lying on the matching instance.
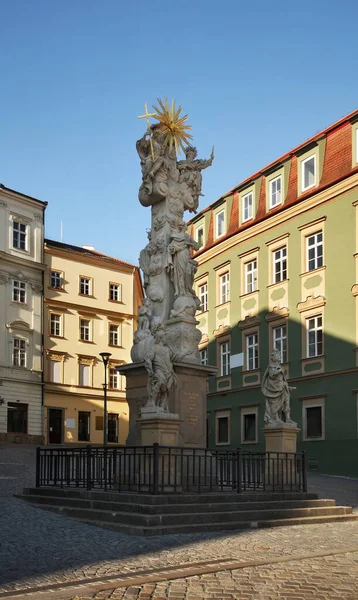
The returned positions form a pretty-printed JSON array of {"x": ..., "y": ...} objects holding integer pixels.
[
  {"x": 281, "y": 466},
  {"x": 187, "y": 399},
  {"x": 159, "y": 429}
]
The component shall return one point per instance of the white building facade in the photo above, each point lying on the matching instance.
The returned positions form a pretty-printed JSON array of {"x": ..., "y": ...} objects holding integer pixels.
[{"x": 21, "y": 317}]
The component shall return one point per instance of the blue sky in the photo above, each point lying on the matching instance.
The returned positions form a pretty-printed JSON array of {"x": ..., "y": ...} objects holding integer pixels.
[{"x": 255, "y": 79}]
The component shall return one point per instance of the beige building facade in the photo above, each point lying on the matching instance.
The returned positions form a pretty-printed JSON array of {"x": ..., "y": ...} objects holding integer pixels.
[
  {"x": 90, "y": 306},
  {"x": 21, "y": 317}
]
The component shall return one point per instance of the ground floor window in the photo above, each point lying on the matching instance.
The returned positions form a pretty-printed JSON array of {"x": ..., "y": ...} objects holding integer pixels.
[
  {"x": 313, "y": 419},
  {"x": 222, "y": 427},
  {"x": 249, "y": 425},
  {"x": 17, "y": 417},
  {"x": 113, "y": 422},
  {"x": 84, "y": 431}
]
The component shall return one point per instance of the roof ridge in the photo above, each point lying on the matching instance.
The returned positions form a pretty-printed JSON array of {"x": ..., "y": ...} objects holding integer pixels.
[{"x": 87, "y": 251}]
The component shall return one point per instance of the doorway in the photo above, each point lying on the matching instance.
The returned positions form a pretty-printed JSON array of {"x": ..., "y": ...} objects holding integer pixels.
[
  {"x": 55, "y": 425},
  {"x": 112, "y": 427}
]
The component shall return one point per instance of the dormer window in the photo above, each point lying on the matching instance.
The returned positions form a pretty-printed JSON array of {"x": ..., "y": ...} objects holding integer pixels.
[
  {"x": 199, "y": 236},
  {"x": 308, "y": 173},
  {"x": 275, "y": 192},
  {"x": 220, "y": 224},
  {"x": 247, "y": 207}
]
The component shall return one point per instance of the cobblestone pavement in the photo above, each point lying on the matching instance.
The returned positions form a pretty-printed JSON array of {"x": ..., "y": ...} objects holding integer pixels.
[{"x": 39, "y": 548}]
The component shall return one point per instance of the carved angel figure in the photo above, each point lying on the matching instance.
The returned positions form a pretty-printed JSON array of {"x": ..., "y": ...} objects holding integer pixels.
[{"x": 190, "y": 174}]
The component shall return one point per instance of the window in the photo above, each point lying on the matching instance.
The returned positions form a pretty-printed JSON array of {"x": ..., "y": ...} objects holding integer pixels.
[
  {"x": 314, "y": 336},
  {"x": 224, "y": 359},
  {"x": 251, "y": 276},
  {"x": 203, "y": 356},
  {"x": 275, "y": 192},
  {"x": 313, "y": 419},
  {"x": 85, "y": 330},
  {"x": 249, "y": 425},
  {"x": 84, "y": 426},
  {"x": 308, "y": 172},
  {"x": 220, "y": 223},
  {"x": 85, "y": 286},
  {"x": 252, "y": 351},
  {"x": 112, "y": 427},
  {"x": 114, "y": 379},
  {"x": 114, "y": 335},
  {"x": 55, "y": 371},
  {"x": 16, "y": 417},
  {"x": 19, "y": 233},
  {"x": 280, "y": 264},
  {"x": 56, "y": 280},
  {"x": 247, "y": 207},
  {"x": 222, "y": 427},
  {"x": 85, "y": 375},
  {"x": 199, "y": 236},
  {"x": 55, "y": 325},
  {"x": 115, "y": 292},
  {"x": 314, "y": 244},
  {"x": 224, "y": 288},
  {"x": 203, "y": 297},
  {"x": 18, "y": 352},
  {"x": 279, "y": 335},
  {"x": 19, "y": 291}
]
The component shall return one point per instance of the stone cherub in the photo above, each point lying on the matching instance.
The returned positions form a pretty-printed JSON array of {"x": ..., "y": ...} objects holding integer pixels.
[
  {"x": 277, "y": 393},
  {"x": 190, "y": 174},
  {"x": 144, "y": 315},
  {"x": 160, "y": 370}
]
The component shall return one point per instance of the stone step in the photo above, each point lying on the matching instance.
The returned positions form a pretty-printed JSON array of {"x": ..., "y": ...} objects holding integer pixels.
[
  {"x": 164, "y": 499},
  {"x": 178, "y": 519},
  {"x": 211, "y": 507},
  {"x": 203, "y": 528}
]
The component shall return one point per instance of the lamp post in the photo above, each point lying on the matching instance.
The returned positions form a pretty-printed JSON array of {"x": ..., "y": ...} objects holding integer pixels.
[{"x": 105, "y": 357}]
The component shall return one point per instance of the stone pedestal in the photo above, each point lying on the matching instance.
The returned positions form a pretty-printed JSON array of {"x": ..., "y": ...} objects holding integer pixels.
[
  {"x": 158, "y": 428},
  {"x": 282, "y": 467},
  {"x": 188, "y": 400}
]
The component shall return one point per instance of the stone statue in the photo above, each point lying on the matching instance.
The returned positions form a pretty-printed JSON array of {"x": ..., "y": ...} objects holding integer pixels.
[
  {"x": 144, "y": 315},
  {"x": 276, "y": 390},
  {"x": 181, "y": 266},
  {"x": 190, "y": 174},
  {"x": 162, "y": 379}
]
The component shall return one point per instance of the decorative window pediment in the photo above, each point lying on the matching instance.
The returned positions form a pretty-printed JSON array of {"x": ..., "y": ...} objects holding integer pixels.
[
  {"x": 277, "y": 313},
  {"x": 249, "y": 322},
  {"x": 222, "y": 329},
  {"x": 19, "y": 325},
  {"x": 311, "y": 303}
]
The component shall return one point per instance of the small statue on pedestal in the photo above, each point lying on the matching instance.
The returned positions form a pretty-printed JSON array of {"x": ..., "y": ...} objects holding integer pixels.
[
  {"x": 277, "y": 393},
  {"x": 160, "y": 371}
]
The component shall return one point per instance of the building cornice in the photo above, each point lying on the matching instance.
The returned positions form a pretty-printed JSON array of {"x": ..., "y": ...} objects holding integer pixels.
[
  {"x": 81, "y": 308},
  {"x": 102, "y": 262}
]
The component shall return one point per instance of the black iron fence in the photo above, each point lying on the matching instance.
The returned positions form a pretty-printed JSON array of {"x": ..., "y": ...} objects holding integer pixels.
[{"x": 165, "y": 469}]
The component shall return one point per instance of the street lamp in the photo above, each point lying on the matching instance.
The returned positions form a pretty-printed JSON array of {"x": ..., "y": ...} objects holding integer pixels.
[{"x": 105, "y": 357}]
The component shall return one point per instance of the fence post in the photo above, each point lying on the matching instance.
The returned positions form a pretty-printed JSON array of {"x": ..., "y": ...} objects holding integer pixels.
[
  {"x": 304, "y": 468},
  {"x": 155, "y": 468},
  {"x": 88, "y": 467},
  {"x": 238, "y": 470},
  {"x": 38, "y": 466}
]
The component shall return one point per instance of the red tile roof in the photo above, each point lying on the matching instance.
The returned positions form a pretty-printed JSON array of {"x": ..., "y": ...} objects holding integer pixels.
[{"x": 86, "y": 252}]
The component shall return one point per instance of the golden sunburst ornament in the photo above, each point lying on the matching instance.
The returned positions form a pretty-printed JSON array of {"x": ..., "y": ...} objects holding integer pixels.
[{"x": 172, "y": 124}]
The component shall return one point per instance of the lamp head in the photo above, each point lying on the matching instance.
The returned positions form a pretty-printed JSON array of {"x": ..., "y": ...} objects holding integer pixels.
[{"x": 105, "y": 357}]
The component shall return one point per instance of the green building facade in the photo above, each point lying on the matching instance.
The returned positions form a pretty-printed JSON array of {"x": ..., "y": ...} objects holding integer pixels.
[{"x": 278, "y": 267}]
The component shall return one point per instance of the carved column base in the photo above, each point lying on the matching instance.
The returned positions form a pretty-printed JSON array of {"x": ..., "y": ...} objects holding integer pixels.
[{"x": 183, "y": 337}]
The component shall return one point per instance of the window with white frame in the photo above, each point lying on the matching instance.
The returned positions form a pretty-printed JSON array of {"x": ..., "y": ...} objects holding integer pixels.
[
  {"x": 199, "y": 236},
  {"x": 220, "y": 223},
  {"x": 85, "y": 286},
  {"x": 308, "y": 173},
  {"x": 55, "y": 367},
  {"x": 222, "y": 427},
  {"x": 251, "y": 276},
  {"x": 224, "y": 359},
  {"x": 275, "y": 191},
  {"x": 279, "y": 339},
  {"x": 55, "y": 325},
  {"x": 203, "y": 356},
  {"x": 19, "y": 235},
  {"x": 249, "y": 425},
  {"x": 314, "y": 247},
  {"x": 203, "y": 297},
  {"x": 114, "y": 378},
  {"x": 313, "y": 419},
  {"x": 56, "y": 280},
  {"x": 314, "y": 336},
  {"x": 18, "y": 352},
  {"x": 18, "y": 291},
  {"x": 224, "y": 288},
  {"x": 85, "y": 330},
  {"x": 247, "y": 207},
  {"x": 252, "y": 351},
  {"x": 114, "y": 335},
  {"x": 84, "y": 375},
  {"x": 279, "y": 264},
  {"x": 115, "y": 292}
]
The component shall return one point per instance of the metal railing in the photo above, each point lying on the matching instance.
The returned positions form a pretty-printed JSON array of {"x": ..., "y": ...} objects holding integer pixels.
[{"x": 167, "y": 469}]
